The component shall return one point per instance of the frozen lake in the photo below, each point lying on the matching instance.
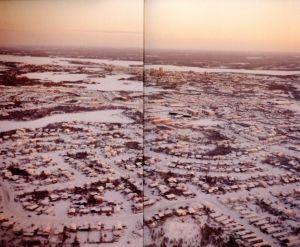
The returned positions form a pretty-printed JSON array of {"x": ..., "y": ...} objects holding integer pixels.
[
  {"x": 104, "y": 116},
  {"x": 108, "y": 83},
  {"x": 55, "y": 76},
  {"x": 113, "y": 83},
  {"x": 64, "y": 61}
]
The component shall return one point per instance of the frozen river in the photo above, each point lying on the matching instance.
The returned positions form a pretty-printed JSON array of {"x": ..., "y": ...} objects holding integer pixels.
[
  {"x": 104, "y": 116},
  {"x": 222, "y": 70}
]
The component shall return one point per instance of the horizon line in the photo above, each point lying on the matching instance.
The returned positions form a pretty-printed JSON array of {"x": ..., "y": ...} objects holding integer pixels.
[{"x": 9, "y": 46}]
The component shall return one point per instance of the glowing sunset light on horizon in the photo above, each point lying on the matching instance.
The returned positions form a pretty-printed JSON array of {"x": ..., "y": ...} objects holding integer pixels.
[
  {"x": 113, "y": 23},
  {"x": 249, "y": 25}
]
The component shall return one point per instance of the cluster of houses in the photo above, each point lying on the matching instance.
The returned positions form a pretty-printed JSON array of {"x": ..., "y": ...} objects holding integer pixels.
[
  {"x": 171, "y": 188},
  {"x": 224, "y": 184},
  {"x": 53, "y": 234},
  {"x": 256, "y": 132},
  {"x": 271, "y": 220},
  {"x": 244, "y": 236},
  {"x": 69, "y": 173},
  {"x": 281, "y": 160},
  {"x": 156, "y": 218},
  {"x": 289, "y": 198},
  {"x": 89, "y": 198},
  {"x": 220, "y": 134},
  {"x": 21, "y": 177},
  {"x": 46, "y": 170}
]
